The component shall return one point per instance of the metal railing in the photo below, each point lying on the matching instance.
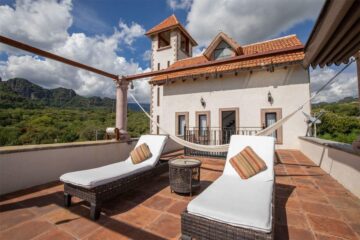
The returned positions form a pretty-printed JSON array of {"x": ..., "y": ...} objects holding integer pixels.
[{"x": 213, "y": 136}]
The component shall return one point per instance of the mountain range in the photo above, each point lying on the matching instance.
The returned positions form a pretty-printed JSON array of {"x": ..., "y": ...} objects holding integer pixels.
[{"x": 20, "y": 92}]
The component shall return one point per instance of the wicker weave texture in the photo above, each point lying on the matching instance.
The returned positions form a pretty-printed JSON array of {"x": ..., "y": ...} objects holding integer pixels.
[{"x": 110, "y": 190}]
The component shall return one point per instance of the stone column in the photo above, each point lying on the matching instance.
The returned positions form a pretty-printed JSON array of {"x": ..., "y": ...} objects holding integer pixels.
[{"x": 121, "y": 107}]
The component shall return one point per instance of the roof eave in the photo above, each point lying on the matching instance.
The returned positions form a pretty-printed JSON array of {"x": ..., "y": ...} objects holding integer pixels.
[{"x": 164, "y": 81}]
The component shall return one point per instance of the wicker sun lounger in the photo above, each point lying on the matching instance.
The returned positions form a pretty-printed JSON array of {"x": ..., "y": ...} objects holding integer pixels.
[
  {"x": 233, "y": 208},
  {"x": 101, "y": 184}
]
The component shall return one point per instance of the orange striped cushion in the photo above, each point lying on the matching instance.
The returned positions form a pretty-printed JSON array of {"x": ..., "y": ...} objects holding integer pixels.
[
  {"x": 140, "y": 153},
  {"x": 247, "y": 163}
]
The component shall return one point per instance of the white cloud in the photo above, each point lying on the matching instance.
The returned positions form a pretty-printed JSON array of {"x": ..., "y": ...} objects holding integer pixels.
[
  {"x": 130, "y": 33},
  {"x": 147, "y": 55},
  {"x": 40, "y": 23},
  {"x": 179, "y": 4},
  {"x": 345, "y": 85},
  {"x": 247, "y": 21},
  {"x": 97, "y": 51}
]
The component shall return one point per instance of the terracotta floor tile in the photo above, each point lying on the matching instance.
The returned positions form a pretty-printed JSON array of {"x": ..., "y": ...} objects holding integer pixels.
[
  {"x": 324, "y": 210},
  {"x": 285, "y": 191},
  {"x": 356, "y": 228},
  {"x": 312, "y": 195},
  {"x": 75, "y": 220},
  {"x": 314, "y": 170},
  {"x": 159, "y": 202},
  {"x": 172, "y": 226},
  {"x": 27, "y": 230},
  {"x": 307, "y": 200},
  {"x": 118, "y": 206},
  {"x": 15, "y": 216},
  {"x": 139, "y": 216},
  {"x": 304, "y": 182},
  {"x": 137, "y": 196},
  {"x": 290, "y": 218},
  {"x": 285, "y": 233},
  {"x": 44, "y": 204},
  {"x": 283, "y": 180},
  {"x": 55, "y": 234},
  {"x": 331, "y": 191},
  {"x": 116, "y": 230},
  {"x": 331, "y": 227},
  {"x": 178, "y": 207},
  {"x": 327, "y": 237},
  {"x": 288, "y": 203},
  {"x": 351, "y": 215},
  {"x": 344, "y": 202}
]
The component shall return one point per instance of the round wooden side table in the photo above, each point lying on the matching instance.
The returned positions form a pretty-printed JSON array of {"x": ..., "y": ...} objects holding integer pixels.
[{"x": 184, "y": 175}]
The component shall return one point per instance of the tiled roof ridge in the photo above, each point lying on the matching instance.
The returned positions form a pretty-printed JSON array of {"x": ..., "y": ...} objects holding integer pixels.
[
  {"x": 270, "y": 40},
  {"x": 172, "y": 17},
  {"x": 188, "y": 58}
]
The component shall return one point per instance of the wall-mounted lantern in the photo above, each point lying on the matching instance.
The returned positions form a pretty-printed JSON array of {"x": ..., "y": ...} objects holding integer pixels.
[
  {"x": 270, "y": 98},
  {"x": 202, "y": 101},
  {"x": 131, "y": 85}
]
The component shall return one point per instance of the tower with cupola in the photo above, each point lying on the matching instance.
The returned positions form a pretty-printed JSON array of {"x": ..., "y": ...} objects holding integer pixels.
[{"x": 170, "y": 42}]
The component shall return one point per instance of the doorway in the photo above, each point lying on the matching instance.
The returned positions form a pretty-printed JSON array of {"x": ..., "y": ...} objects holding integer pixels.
[{"x": 229, "y": 123}]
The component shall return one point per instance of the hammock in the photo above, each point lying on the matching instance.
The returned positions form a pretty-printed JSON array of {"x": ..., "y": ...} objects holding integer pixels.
[{"x": 264, "y": 132}]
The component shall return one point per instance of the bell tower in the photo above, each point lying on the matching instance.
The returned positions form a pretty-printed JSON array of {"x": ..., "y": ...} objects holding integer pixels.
[{"x": 170, "y": 42}]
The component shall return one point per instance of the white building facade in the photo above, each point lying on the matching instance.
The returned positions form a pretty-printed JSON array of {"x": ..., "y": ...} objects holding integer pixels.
[{"x": 207, "y": 105}]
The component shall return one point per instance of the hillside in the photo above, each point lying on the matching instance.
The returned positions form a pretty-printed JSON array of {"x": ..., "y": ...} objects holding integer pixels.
[
  {"x": 30, "y": 114},
  {"x": 21, "y": 93},
  {"x": 341, "y": 121}
]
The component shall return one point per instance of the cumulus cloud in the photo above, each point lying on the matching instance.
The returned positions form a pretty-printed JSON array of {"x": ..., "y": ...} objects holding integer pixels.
[
  {"x": 345, "y": 85},
  {"x": 179, "y": 4},
  {"x": 130, "y": 33},
  {"x": 98, "y": 51},
  {"x": 40, "y": 23},
  {"x": 147, "y": 55},
  {"x": 247, "y": 21}
]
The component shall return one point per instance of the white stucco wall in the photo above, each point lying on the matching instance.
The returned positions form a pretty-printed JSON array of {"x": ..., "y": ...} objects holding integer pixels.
[
  {"x": 340, "y": 164},
  {"x": 26, "y": 166},
  {"x": 162, "y": 56},
  {"x": 247, "y": 91}
]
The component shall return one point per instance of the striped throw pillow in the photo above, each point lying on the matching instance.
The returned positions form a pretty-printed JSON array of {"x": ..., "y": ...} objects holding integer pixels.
[
  {"x": 140, "y": 153},
  {"x": 247, "y": 163}
]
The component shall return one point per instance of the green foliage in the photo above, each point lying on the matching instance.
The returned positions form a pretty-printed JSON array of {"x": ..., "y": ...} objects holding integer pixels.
[
  {"x": 20, "y": 126},
  {"x": 341, "y": 121}
]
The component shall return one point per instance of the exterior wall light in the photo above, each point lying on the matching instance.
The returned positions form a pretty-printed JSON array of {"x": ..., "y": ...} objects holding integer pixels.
[
  {"x": 131, "y": 85},
  {"x": 202, "y": 101},
  {"x": 270, "y": 98}
]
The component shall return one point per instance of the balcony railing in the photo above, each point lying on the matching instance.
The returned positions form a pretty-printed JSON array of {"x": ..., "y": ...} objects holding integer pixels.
[{"x": 213, "y": 136}]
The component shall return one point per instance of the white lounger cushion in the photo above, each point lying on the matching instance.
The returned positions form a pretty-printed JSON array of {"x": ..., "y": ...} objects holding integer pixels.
[
  {"x": 238, "y": 203},
  {"x": 263, "y": 146},
  {"x": 98, "y": 176}
]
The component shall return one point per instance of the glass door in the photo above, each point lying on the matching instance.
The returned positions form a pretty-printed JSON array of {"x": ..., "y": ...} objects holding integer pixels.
[{"x": 270, "y": 119}]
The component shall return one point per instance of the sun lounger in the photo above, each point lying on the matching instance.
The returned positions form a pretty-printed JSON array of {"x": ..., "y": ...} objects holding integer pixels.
[
  {"x": 100, "y": 184},
  {"x": 235, "y": 208}
]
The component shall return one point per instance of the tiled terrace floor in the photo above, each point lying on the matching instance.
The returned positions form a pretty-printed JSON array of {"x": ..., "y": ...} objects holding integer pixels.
[{"x": 309, "y": 205}]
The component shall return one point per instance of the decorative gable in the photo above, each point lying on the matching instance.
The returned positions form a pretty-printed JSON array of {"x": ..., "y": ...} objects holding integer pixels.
[{"x": 223, "y": 46}]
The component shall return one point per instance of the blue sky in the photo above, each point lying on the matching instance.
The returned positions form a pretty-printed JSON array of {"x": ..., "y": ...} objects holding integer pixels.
[
  {"x": 100, "y": 17},
  {"x": 109, "y": 34},
  {"x": 96, "y": 17}
]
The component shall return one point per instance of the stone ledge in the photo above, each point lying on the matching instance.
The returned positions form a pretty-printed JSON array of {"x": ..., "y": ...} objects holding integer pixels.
[
  {"x": 38, "y": 147},
  {"x": 345, "y": 147}
]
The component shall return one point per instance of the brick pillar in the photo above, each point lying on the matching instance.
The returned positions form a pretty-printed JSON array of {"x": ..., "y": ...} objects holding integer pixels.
[{"x": 121, "y": 107}]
